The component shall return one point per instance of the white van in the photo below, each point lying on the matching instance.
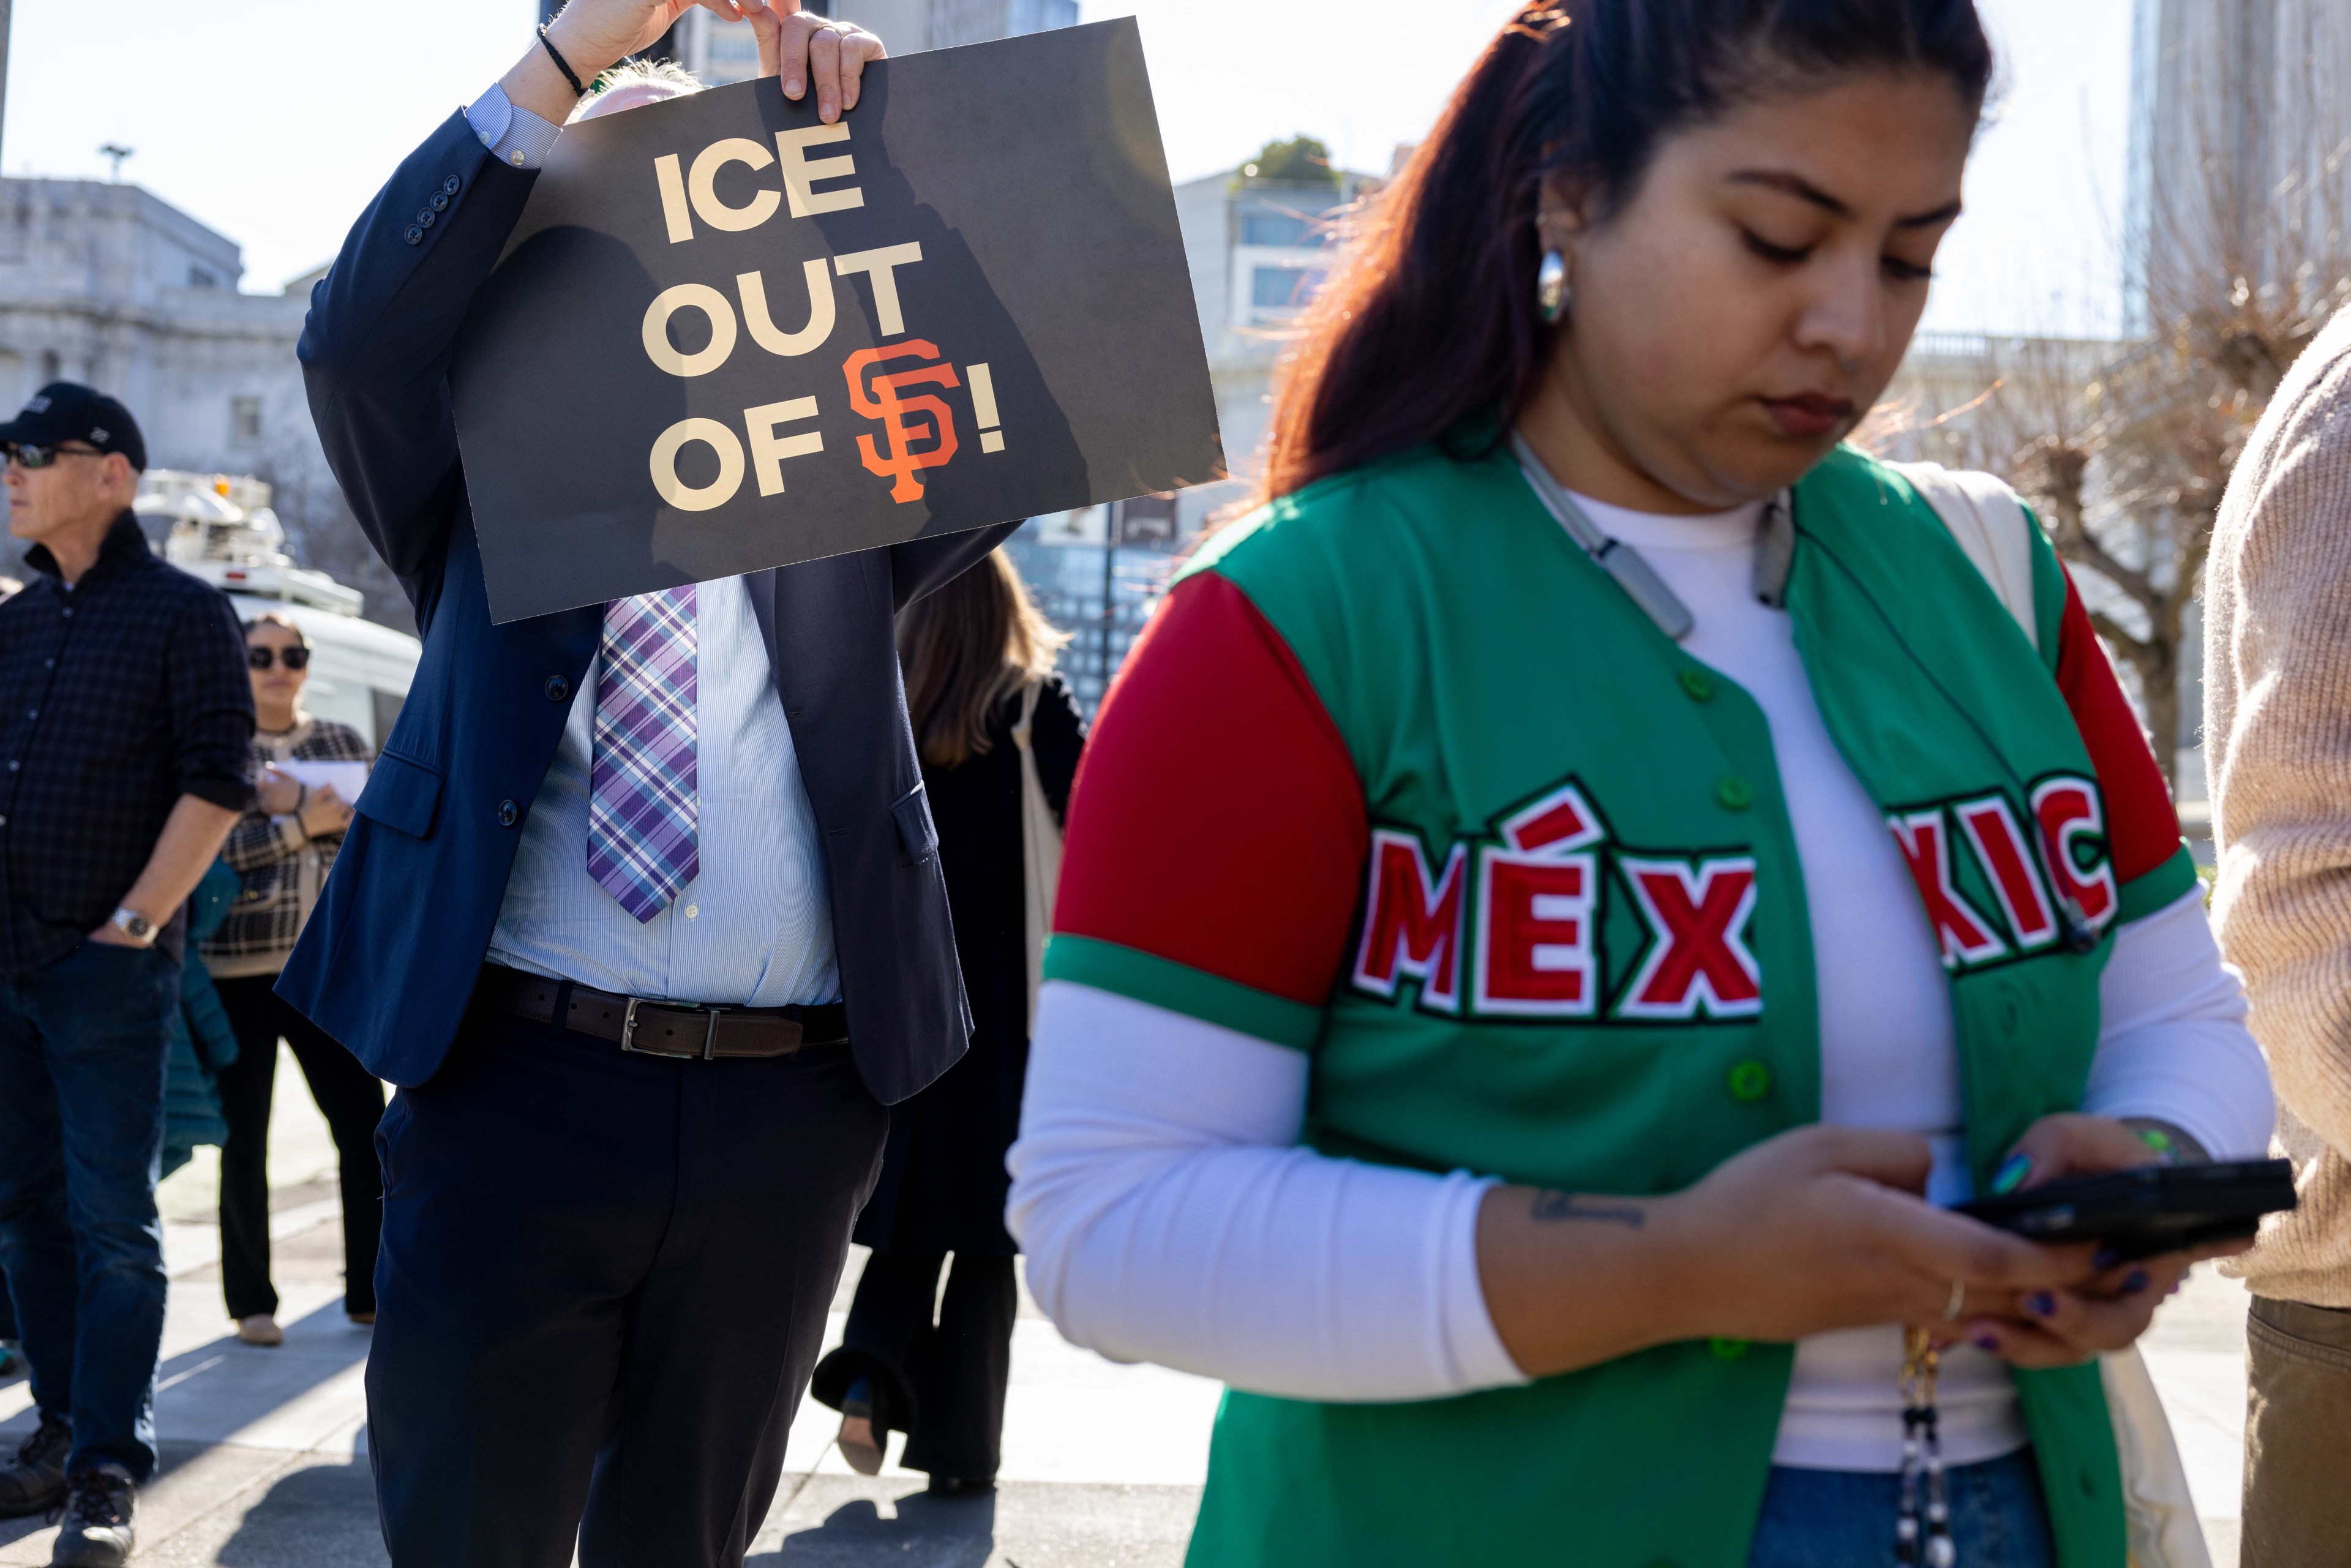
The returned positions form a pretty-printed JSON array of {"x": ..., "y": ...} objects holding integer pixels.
[{"x": 221, "y": 528}]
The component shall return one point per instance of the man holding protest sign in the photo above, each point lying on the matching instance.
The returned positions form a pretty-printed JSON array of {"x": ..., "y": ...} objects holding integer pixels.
[{"x": 641, "y": 911}]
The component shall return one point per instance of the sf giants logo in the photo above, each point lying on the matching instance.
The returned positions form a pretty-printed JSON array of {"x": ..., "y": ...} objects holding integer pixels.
[
  {"x": 1523, "y": 910},
  {"x": 2032, "y": 877},
  {"x": 905, "y": 420}
]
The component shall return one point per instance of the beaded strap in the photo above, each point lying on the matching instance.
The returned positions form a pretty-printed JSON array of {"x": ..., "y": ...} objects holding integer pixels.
[{"x": 1926, "y": 1510}]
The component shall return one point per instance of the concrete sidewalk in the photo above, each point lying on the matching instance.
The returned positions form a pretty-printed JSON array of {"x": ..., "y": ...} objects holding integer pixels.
[{"x": 264, "y": 1455}]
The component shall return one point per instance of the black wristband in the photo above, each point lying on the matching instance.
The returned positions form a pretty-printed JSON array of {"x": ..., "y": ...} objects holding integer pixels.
[{"x": 560, "y": 63}]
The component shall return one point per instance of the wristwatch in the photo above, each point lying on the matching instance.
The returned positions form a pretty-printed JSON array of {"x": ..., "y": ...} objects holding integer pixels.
[{"x": 135, "y": 926}]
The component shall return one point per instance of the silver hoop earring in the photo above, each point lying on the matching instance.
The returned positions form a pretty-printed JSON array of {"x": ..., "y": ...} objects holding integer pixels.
[{"x": 1553, "y": 291}]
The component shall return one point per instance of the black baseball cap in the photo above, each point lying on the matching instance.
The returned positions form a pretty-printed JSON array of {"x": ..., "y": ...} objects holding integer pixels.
[{"x": 68, "y": 410}]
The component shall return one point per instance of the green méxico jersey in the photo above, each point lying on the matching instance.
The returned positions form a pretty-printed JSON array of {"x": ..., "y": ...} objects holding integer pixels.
[{"x": 1399, "y": 779}]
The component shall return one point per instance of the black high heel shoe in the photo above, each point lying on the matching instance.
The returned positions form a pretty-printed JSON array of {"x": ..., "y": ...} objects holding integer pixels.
[{"x": 862, "y": 1433}]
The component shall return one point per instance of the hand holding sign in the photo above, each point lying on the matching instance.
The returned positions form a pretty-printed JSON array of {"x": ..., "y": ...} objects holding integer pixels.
[
  {"x": 593, "y": 35},
  {"x": 729, "y": 335}
]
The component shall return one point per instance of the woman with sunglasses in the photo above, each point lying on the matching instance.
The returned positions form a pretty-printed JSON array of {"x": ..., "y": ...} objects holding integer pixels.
[
  {"x": 283, "y": 849},
  {"x": 1562, "y": 897}
]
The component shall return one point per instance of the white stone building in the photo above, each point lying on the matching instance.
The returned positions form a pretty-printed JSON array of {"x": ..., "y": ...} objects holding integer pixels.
[
  {"x": 112, "y": 285},
  {"x": 109, "y": 285}
]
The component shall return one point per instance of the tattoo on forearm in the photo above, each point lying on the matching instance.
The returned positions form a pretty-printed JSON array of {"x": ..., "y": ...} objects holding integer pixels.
[{"x": 1557, "y": 1205}]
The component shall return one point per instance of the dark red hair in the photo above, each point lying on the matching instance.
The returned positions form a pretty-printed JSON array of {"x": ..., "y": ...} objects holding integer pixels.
[{"x": 1429, "y": 331}]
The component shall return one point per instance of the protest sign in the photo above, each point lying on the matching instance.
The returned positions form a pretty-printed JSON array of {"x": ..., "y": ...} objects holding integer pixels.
[{"x": 726, "y": 337}]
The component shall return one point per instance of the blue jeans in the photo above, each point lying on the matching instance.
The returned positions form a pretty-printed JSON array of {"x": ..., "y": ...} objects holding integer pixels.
[
  {"x": 1844, "y": 1519},
  {"x": 83, "y": 1048}
]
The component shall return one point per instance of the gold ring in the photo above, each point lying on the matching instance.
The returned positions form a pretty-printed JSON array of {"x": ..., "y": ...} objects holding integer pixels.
[{"x": 1959, "y": 1297}]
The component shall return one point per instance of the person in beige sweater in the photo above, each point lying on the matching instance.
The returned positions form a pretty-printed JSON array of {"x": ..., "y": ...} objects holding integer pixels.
[{"x": 2277, "y": 730}]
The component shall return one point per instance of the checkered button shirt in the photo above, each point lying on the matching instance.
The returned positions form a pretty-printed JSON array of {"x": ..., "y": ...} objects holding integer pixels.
[{"x": 117, "y": 697}]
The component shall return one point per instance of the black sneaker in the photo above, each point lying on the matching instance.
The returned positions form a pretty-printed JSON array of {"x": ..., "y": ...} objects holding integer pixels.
[
  {"x": 98, "y": 1532},
  {"x": 35, "y": 1480}
]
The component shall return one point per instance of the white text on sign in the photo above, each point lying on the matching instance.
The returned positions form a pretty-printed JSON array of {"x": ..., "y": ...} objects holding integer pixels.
[{"x": 689, "y": 193}]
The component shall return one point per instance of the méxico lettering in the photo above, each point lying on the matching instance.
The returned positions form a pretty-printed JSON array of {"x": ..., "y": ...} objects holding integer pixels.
[{"x": 1506, "y": 924}]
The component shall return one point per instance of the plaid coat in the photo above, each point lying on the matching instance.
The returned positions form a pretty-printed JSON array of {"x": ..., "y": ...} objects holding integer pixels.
[{"x": 282, "y": 867}]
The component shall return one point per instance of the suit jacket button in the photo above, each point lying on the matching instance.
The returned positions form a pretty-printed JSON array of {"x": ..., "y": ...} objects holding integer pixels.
[
  {"x": 414, "y": 235},
  {"x": 507, "y": 814},
  {"x": 557, "y": 688},
  {"x": 452, "y": 185},
  {"x": 424, "y": 219},
  {"x": 441, "y": 201}
]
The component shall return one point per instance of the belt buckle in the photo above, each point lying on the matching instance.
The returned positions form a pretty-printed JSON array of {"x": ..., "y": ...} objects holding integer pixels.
[
  {"x": 629, "y": 1030},
  {"x": 710, "y": 1034}
]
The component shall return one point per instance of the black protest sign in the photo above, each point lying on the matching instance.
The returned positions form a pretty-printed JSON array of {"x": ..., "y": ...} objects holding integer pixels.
[{"x": 726, "y": 335}]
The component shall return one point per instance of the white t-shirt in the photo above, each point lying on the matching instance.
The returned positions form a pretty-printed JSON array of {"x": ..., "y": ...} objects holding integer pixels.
[{"x": 1889, "y": 1052}]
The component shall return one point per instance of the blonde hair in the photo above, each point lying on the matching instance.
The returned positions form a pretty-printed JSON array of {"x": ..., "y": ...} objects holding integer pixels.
[
  {"x": 966, "y": 649},
  {"x": 277, "y": 618},
  {"x": 667, "y": 77}
]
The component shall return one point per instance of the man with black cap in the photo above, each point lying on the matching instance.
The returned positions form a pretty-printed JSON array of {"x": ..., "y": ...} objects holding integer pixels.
[{"x": 125, "y": 715}]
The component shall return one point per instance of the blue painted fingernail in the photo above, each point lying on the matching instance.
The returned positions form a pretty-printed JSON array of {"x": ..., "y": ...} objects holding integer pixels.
[
  {"x": 2105, "y": 1257},
  {"x": 2012, "y": 1173},
  {"x": 2135, "y": 1282},
  {"x": 1985, "y": 1341},
  {"x": 2041, "y": 1304}
]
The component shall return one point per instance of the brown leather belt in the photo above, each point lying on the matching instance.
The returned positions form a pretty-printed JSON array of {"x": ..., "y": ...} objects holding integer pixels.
[{"x": 679, "y": 1030}]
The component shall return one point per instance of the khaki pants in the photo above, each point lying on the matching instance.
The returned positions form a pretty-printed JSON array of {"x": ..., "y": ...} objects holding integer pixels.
[{"x": 2297, "y": 1435}]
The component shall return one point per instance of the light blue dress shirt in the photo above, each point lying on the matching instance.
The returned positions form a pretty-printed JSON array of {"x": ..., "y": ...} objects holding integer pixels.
[
  {"x": 514, "y": 135},
  {"x": 754, "y": 928}
]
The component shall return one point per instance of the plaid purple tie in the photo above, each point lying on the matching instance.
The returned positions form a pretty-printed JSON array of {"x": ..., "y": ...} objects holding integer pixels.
[{"x": 643, "y": 786}]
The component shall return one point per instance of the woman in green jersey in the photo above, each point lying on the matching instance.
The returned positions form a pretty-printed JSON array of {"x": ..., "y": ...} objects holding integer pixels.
[{"x": 1564, "y": 896}]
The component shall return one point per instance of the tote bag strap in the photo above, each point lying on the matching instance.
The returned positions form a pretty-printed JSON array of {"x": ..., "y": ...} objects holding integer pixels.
[
  {"x": 1040, "y": 846},
  {"x": 1990, "y": 526}
]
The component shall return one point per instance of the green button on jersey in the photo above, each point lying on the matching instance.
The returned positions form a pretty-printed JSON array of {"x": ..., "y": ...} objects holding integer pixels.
[{"x": 1749, "y": 1081}]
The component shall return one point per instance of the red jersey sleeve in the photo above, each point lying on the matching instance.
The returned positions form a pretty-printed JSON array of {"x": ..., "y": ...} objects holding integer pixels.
[
  {"x": 2142, "y": 826},
  {"x": 1217, "y": 833}
]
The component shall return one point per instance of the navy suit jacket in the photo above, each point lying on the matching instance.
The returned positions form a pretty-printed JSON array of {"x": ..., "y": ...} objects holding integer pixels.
[{"x": 389, "y": 956}]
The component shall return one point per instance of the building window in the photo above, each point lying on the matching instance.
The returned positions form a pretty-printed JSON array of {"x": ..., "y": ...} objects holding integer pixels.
[
  {"x": 52, "y": 369},
  {"x": 1284, "y": 288},
  {"x": 1038, "y": 16},
  {"x": 244, "y": 420},
  {"x": 202, "y": 277},
  {"x": 1288, "y": 230}
]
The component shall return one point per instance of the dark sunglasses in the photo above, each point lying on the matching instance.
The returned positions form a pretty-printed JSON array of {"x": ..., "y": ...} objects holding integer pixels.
[
  {"x": 262, "y": 658},
  {"x": 25, "y": 456}
]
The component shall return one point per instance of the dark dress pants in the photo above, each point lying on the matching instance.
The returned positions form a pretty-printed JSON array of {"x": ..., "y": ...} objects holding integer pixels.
[
  {"x": 604, "y": 1283},
  {"x": 351, "y": 1098},
  {"x": 942, "y": 1383}
]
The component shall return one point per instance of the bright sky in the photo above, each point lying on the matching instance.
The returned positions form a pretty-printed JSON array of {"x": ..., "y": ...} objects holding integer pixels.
[{"x": 274, "y": 121}]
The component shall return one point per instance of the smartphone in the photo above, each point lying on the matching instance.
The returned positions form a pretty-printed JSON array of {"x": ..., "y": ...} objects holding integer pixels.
[{"x": 2147, "y": 1209}]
